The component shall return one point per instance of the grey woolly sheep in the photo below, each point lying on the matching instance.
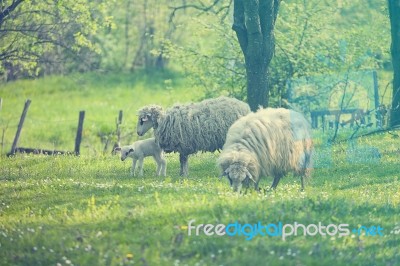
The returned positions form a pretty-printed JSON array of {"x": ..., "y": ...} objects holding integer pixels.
[
  {"x": 141, "y": 149},
  {"x": 193, "y": 127},
  {"x": 270, "y": 142}
]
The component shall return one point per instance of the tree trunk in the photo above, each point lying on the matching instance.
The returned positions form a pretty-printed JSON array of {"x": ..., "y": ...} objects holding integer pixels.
[
  {"x": 254, "y": 22},
  {"x": 394, "y": 14}
]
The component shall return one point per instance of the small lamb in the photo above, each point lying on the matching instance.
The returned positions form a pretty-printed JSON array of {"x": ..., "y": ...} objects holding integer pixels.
[{"x": 141, "y": 149}]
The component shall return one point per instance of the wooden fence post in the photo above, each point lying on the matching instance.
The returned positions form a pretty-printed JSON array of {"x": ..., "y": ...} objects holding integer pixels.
[
  {"x": 78, "y": 138},
  {"x": 20, "y": 124},
  {"x": 119, "y": 127},
  {"x": 118, "y": 131}
]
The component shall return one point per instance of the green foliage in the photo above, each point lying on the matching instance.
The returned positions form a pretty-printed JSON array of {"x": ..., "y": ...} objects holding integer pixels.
[
  {"x": 312, "y": 37},
  {"x": 316, "y": 37},
  {"x": 38, "y": 33},
  {"x": 212, "y": 58}
]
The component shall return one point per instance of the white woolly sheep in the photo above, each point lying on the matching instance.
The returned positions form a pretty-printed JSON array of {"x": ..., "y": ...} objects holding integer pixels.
[
  {"x": 193, "y": 127},
  {"x": 270, "y": 142},
  {"x": 141, "y": 149}
]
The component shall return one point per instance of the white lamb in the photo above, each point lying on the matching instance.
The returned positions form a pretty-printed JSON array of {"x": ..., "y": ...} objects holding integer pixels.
[{"x": 141, "y": 149}]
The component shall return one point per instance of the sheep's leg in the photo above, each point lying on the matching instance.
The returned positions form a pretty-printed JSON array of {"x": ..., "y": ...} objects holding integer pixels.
[
  {"x": 304, "y": 174},
  {"x": 183, "y": 159},
  {"x": 141, "y": 166},
  {"x": 303, "y": 177},
  {"x": 133, "y": 167},
  {"x": 276, "y": 181},
  {"x": 302, "y": 182}
]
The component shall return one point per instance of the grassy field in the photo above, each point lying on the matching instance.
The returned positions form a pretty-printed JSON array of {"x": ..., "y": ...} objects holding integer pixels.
[{"x": 88, "y": 210}]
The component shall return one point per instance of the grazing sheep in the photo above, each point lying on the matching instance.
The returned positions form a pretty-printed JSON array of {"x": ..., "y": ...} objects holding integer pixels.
[
  {"x": 141, "y": 149},
  {"x": 270, "y": 142},
  {"x": 193, "y": 127}
]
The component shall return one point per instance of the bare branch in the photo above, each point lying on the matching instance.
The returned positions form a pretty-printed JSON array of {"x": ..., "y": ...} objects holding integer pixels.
[{"x": 201, "y": 7}]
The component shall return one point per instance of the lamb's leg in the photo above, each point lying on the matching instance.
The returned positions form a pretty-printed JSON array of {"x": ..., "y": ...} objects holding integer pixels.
[
  {"x": 141, "y": 166},
  {"x": 183, "y": 159},
  {"x": 164, "y": 167},
  {"x": 133, "y": 167},
  {"x": 158, "y": 168},
  {"x": 163, "y": 164},
  {"x": 158, "y": 162}
]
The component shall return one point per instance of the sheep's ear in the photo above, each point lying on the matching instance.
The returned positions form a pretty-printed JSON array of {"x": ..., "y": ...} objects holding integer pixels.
[
  {"x": 131, "y": 150},
  {"x": 250, "y": 176},
  {"x": 117, "y": 149}
]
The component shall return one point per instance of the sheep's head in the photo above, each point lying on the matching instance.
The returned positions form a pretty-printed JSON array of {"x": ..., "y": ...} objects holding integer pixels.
[
  {"x": 125, "y": 151},
  {"x": 238, "y": 175},
  {"x": 148, "y": 117}
]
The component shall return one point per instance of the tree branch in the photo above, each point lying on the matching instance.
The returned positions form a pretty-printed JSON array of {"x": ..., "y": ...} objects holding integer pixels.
[
  {"x": 266, "y": 16},
  {"x": 276, "y": 8},
  {"x": 268, "y": 13},
  {"x": 226, "y": 8},
  {"x": 239, "y": 25},
  {"x": 6, "y": 12}
]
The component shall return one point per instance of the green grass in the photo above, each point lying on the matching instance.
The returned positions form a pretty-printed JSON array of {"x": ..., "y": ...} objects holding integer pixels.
[{"x": 88, "y": 210}]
